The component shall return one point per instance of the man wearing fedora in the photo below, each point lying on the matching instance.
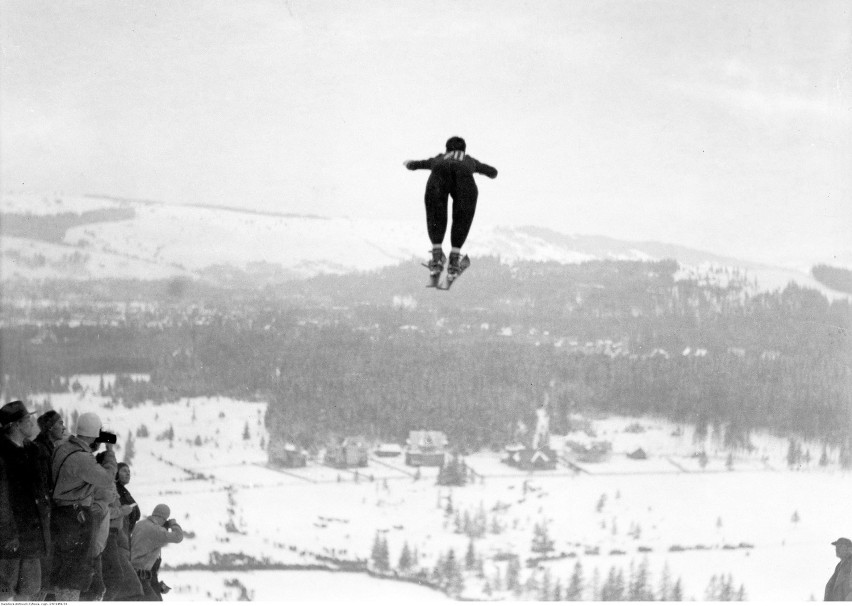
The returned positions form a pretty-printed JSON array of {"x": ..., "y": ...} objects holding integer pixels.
[
  {"x": 839, "y": 586},
  {"x": 25, "y": 528}
]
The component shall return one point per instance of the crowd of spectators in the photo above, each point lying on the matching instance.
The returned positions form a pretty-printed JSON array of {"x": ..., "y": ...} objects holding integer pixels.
[{"x": 69, "y": 528}]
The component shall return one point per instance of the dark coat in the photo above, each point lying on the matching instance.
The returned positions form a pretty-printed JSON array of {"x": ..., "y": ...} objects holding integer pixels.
[
  {"x": 28, "y": 499},
  {"x": 125, "y": 498},
  {"x": 45, "y": 449},
  {"x": 839, "y": 586}
]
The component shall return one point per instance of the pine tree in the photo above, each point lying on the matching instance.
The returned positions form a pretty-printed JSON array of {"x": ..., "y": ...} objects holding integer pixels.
[
  {"x": 556, "y": 596},
  {"x": 541, "y": 542},
  {"x": 792, "y": 453},
  {"x": 513, "y": 575},
  {"x": 711, "y": 593},
  {"x": 574, "y": 593},
  {"x": 601, "y": 503},
  {"x": 639, "y": 584},
  {"x": 823, "y": 459},
  {"x": 677, "y": 591},
  {"x": 596, "y": 586},
  {"x": 379, "y": 553},
  {"x": 246, "y": 434},
  {"x": 665, "y": 584},
  {"x": 129, "y": 449},
  {"x": 545, "y": 591},
  {"x": 609, "y": 591},
  {"x": 405, "y": 560},
  {"x": 470, "y": 556},
  {"x": 453, "y": 575}
]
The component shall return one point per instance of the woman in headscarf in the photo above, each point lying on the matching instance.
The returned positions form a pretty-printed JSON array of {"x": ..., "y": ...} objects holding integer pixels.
[{"x": 122, "y": 479}]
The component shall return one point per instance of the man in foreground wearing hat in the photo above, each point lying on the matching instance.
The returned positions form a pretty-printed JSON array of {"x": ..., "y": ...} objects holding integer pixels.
[
  {"x": 76, "y": 476},
  {"x": 149, "y": 537},
  {"x": 839, "y": 586},
  {"x": 25, "y": 528}
]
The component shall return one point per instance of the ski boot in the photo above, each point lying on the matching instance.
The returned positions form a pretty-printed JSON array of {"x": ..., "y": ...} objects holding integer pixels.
[
  {"x": 457, "y": 265},
  {"x": 435, "y": 266}
]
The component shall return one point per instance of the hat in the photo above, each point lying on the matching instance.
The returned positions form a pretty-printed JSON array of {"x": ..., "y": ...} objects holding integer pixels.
[
  {"x": 843, "y": 541},
  {"x": 89, "y": 425},
  {"x": 13, "y": 411},
  {"x": 456, "y": 144},
  {"x": 161, "y": 511},
  {"x": 48, "y": 420}
]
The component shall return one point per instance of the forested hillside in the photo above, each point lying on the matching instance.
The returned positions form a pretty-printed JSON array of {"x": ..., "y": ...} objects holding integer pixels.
[{"x": 380, "y": 355}]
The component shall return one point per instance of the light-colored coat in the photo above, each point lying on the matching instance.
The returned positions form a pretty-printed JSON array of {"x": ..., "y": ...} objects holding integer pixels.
[{"x": 149, "y": 538}]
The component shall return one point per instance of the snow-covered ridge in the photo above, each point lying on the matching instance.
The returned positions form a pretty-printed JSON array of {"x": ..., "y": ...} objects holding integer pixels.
[{"x": 163, "y": 240}]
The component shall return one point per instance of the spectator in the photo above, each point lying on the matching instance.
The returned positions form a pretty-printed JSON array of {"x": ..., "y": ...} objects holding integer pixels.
[
  {"x": 120, "y": 578},
  {"x": 149, "y": 537},
  {"x": 76, "y": 478},
  {"x": 102, "y": 502},
  {"x": 52, "y": 431},
  {"x": 839, "y": 586},
  {"x": 25, "y": 532},
  {"x": 122, "y": 479}
]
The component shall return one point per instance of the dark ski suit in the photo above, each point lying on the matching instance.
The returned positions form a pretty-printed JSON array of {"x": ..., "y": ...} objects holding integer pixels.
[{"x": 452, "y": 175}]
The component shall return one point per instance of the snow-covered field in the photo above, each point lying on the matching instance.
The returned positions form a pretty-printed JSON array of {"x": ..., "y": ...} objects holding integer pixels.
[{"x": 770, "y": 528}]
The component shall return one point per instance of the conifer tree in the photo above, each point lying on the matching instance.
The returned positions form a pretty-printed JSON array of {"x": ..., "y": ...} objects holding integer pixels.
[
  {"x": 545, "y": 591},
  {"x": 677, "y": 591},
  {"x": 470, "y": 556},
  {"x": 405, "y": 559},
  {"x": 129, "y": 449},
  {"x": 513, "y": 574},
  {"x": 665, "y": 584},
  {"x": 574, "y": 593},
  {"x": 541, "y": 542}
]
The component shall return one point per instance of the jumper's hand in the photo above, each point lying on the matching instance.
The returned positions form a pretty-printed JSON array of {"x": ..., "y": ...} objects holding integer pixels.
[{"x": 407, "y": 164}]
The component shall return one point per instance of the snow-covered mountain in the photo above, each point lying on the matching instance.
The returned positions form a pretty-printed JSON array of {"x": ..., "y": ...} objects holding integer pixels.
[{"x": 101, "y": 237}]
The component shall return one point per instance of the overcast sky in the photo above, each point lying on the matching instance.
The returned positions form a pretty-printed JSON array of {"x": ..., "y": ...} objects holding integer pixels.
[{"x": 722, "y": 125}]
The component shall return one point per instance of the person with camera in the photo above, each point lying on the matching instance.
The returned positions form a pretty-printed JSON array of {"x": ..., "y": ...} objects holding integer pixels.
[
  {"x": 25, "y": 519},
  {"x": 76, "y": 477},
  {"x": 149, "y": 537}
]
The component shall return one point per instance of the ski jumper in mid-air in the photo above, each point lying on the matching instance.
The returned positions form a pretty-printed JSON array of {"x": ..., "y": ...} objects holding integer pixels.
[{"x": 452, "y": 175}]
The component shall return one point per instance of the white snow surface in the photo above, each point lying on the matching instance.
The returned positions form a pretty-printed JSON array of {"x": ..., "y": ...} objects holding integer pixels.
[
  {"x": 777, "y": 523},
  {"x": 165, "y": 240}
]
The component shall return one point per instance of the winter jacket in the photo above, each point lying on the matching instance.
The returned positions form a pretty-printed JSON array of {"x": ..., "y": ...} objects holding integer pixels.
[
  {"x": 839, "y": 586},
  {"x": 27, "y": 499},
  {"x": 148, "y": 540},
  {"x": 46, "y": 447},
  {"x": 457, "y": 160},
  {"x": 76, "y": 474},
  {"x": 127, "y": 499},
  {"x": 8, "y": 530}
]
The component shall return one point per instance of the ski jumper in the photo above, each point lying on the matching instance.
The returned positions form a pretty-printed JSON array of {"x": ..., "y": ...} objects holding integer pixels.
[{"x": 452, "y": 175}]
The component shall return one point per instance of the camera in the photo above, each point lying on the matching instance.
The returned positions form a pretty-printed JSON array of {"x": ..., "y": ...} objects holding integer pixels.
[{"x": 106, "y": 437}]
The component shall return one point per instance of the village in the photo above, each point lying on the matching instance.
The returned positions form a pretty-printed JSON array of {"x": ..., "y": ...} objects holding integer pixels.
[{"x": 615, "y": 495}]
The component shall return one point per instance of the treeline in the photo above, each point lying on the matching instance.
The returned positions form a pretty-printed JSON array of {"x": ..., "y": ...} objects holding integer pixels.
[
  {"x": 52, "y": 228},
  {"x": 838, "y": 278},
  {"x": 472, "y": 363}
]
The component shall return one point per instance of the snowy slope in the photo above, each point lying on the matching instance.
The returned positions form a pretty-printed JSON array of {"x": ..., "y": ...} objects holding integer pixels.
[
  {"x": 767, "y": 526},
  {"x": 163, "y": 240}
]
